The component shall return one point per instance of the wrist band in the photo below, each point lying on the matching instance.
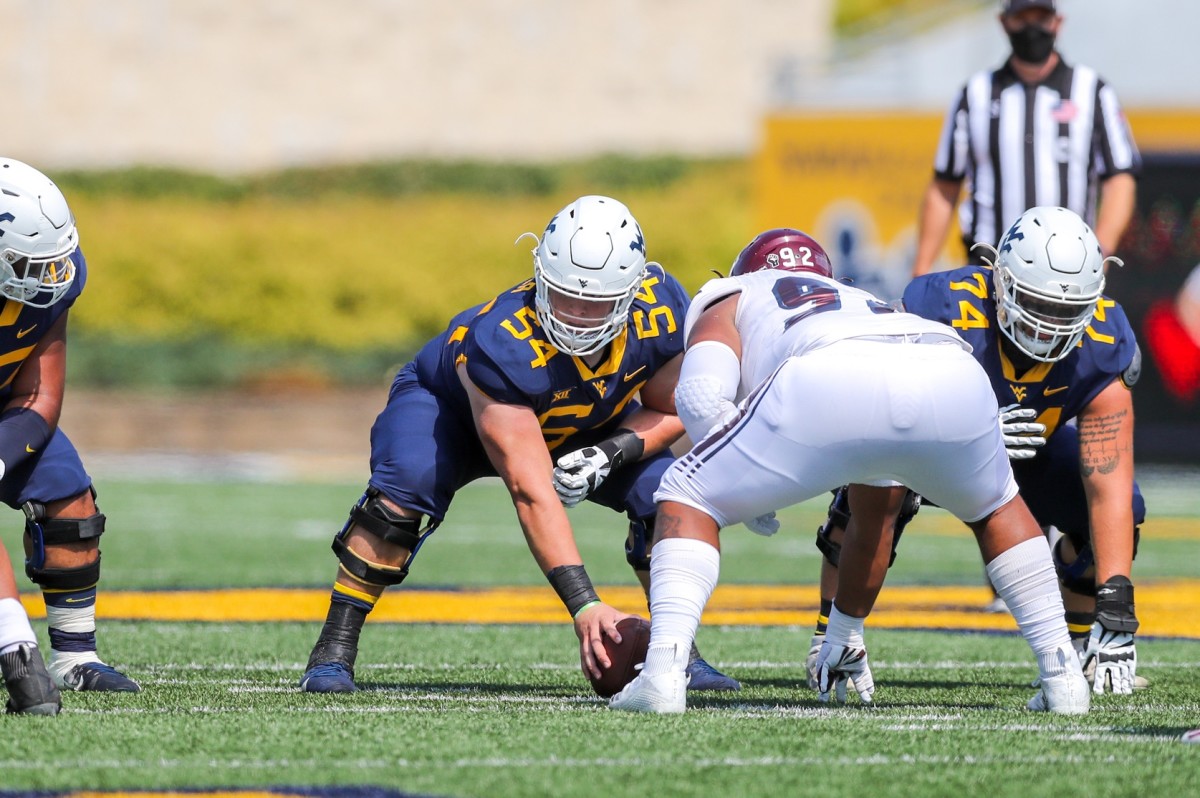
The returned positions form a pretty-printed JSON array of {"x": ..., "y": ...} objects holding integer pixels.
[
  {"x": 622, "y": 448},
  {"x": 579, "y": 611},
  {"x": 572, "y": 585}
]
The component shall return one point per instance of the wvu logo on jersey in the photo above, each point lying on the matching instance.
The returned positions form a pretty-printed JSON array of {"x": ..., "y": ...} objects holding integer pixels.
[
  {"x": 561, "y": 395},
  {"x": 1019, "y": 392},
  {"x": 601, "y": 387}
]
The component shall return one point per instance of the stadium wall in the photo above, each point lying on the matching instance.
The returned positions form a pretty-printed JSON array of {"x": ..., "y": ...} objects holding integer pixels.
[{"x": 244, "y": 85}]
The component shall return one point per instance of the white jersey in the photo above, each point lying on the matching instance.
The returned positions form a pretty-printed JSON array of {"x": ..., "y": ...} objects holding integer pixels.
[{"x": 782, "y": 314}]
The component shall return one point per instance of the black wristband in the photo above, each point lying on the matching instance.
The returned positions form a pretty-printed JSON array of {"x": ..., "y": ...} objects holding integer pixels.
[
  {"x": 572, "y": 585},
  {"x": 23, "y": 432},
  {"x": 623, "y": 448}
]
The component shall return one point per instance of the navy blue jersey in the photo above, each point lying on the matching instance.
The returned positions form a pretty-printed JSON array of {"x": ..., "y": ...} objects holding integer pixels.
[
  {"x": 963, "y": 299},
  {"x": 509, "y": 359},
  {"x": 23, "y": 326}
]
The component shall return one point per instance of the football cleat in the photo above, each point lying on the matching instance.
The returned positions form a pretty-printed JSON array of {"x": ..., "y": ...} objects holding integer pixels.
[
  {"x": 995, "y": 606},
  {"x": 1065, "y": 694},
  {"x": 328, "y": 677},
  {"x": 97, "y": 677},
  {"x": 31, "y": 690},
  {"x": 704, "y": 677},
  {"x": 664, "y": 694}
]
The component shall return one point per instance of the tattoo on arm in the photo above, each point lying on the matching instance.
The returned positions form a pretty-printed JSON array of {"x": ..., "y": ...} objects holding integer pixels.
[{"x": 1099, "y": 447}]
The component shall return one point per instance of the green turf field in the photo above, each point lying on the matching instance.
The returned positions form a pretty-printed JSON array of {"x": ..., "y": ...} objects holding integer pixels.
[{"x": 501, "y": 709}]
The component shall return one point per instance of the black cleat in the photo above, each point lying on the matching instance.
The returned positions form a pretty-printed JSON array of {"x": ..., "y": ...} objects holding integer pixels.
[{"x": 31, "y": 690}]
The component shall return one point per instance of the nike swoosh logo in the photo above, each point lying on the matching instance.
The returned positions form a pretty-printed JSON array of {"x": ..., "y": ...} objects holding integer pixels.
[
  {"x": 633, "y": 374},
  {"x": 26, "y": 331},
  {"x": 1052, "y": 391},
  {"x": 75, "y": 600},
  {"x": 31, "y": 451}
]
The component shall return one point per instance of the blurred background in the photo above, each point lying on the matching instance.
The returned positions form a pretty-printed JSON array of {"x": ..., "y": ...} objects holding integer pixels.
[{"x": 280, "y": 200}]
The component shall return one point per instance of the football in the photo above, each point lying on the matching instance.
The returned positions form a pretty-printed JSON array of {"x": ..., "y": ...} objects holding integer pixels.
[{"x": 625, "y": 656}]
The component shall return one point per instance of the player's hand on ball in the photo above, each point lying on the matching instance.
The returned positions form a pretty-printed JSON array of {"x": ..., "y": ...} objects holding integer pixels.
[
  {"x": 580, "y": 472},
  {"x": 592, "y": 625},
  {"x": 766, "y": 524},
  {"x": 838, "y": 665},
  {"x": 1022, "y": 435}
]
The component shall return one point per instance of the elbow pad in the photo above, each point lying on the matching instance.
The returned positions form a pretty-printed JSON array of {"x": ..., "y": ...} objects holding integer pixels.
[{"x": 708, "y": 382}]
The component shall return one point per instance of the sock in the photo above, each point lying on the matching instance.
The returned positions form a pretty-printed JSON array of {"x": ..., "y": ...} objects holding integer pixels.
[
  {"x": 338, "y": 641},
  {"x": 683, "y": 573},
  {"x": 1024, "y": 577},
  {"x": 1079, "y": 625},
  {"x": 14, "y": 626},
  {"x": 823, "y": 616},
  {"x": 71, "y": 616}
]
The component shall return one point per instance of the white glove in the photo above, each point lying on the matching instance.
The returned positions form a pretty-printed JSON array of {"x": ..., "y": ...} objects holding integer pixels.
[
  {"x": 837, "y": 665},
  {"x": 1114, "y": 657},
  {"x": 579, "y": 473},
  {"x": 765, "y": 524},
  {"x": 1021, "y": 436}
]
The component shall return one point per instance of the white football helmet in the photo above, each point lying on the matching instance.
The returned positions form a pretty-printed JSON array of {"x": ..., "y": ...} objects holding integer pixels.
[
  {"x": 1049, "y": 276},
  {"x": 588, "y": 266},
  {"x": 37, "y": 237}
]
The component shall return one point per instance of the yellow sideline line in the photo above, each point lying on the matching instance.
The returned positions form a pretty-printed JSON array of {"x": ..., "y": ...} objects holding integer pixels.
[{"x": 1161, "y": 606}]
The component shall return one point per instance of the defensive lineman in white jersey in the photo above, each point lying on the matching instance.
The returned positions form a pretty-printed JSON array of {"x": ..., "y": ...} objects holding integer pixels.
[{"x": 838, "y": 388}]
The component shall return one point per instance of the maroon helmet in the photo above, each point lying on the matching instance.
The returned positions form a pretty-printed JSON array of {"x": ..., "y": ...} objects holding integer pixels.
[{"x": 783, "y": 248}]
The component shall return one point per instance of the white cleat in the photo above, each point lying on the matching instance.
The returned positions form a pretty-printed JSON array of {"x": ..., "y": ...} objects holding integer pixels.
[
  {"x": 1066, "y": 694},
  {"x": 664, "y": 694}
]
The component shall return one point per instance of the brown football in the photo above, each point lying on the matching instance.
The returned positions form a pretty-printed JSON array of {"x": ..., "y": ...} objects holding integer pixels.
[{"x": 625, "y": 656}]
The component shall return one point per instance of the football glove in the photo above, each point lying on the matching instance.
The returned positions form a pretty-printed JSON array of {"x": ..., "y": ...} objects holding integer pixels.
[
  {"x": 766, "y": 524},
  {"x": 1022, "y": 437},
  {"x": 580, "y": 472},
  {"x": 839, "y": 665},
  {"x": 1110, "y": 649}
]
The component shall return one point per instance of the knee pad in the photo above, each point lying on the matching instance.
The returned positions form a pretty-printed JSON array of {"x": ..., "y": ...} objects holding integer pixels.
[
  {"x": 839, "y": 518},
  {"x": 375, "y": 518},
  {"x": 637, "y": 545},
  {"x": 1073, "y": 574},
  {"x": 43, "y": 532}
]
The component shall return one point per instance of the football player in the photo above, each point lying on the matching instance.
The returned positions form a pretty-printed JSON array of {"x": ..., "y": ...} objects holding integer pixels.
[
  {"x": 42, "y": 273},
  {"x": 540, "y": 387},
  {"x": 844, "y": 389},
  {"x": 1055, "y": 349}
]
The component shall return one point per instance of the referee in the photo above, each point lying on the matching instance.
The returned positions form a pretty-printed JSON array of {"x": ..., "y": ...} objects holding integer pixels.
[{"x": 1036, "y": 131}]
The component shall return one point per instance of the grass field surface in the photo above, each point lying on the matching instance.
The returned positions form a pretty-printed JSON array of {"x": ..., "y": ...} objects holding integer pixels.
[{"x": 482, "y": 695}]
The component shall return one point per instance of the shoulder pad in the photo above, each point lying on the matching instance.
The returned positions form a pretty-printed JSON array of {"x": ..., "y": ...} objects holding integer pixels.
[{"x": 709, "y": 294}]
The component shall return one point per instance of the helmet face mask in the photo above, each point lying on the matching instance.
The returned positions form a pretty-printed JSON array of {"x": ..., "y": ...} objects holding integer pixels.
[
  {"x": 782, "y": 248},
  {"x": 1049, "y": 277},
  {"x": 37, "y": 237},
  {"x": 588, "y": 267}
]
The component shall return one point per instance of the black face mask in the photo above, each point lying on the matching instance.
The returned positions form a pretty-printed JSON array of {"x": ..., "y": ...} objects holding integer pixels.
[{"x": 1032, "y": 44}]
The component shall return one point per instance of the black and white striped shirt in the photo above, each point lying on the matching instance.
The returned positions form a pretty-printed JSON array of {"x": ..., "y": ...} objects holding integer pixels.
[{"x": 1023, "y": 146}]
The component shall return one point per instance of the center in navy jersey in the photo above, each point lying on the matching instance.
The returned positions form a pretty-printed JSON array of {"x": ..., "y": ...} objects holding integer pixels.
[{"x": 509, "y": 359}]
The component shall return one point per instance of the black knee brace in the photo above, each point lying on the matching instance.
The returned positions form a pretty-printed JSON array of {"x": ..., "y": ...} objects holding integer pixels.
[
  {"x": 839, "y": 518},
  {"x": 637, "y": 545},
  {"x": 45, "y": 532},
  {"x": 375, "y": 518},
  {"x": 1073, "y": 575}
]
